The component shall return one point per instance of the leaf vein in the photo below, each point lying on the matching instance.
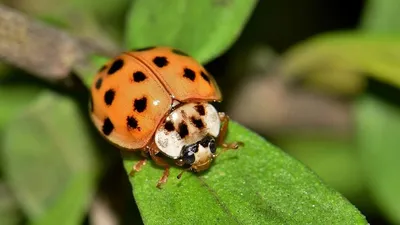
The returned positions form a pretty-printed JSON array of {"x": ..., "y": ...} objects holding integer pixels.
[{"x": 219, "y": 201}]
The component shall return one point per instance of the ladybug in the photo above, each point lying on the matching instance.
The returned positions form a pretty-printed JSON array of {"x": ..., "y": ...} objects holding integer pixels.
[{"x": 157, "y": 100}]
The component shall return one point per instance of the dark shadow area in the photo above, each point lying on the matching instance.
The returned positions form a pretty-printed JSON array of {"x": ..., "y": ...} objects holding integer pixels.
[{"x": 383, "y": 91}]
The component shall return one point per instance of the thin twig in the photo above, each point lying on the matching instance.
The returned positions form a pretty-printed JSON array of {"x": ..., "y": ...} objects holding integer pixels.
[{"x": 40, "y": 49}]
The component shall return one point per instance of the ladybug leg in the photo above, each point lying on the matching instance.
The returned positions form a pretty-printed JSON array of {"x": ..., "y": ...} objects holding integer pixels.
[
  {"x": 137, "y": 167},
  {"x": 222, "y": 133},
  {"x": 160, "y": 162}
]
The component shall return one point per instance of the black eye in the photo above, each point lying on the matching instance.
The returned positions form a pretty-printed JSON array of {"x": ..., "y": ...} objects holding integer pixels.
[
  {"x": 188, "y": 157},
  {"x": 188, "y": 154},
  {"x": 212, "y": 146}
]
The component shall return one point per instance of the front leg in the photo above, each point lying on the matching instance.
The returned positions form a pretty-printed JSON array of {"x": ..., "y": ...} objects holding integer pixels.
[
  {"x": 222, "y": 134},
  {"x": 138, "y": 166}
]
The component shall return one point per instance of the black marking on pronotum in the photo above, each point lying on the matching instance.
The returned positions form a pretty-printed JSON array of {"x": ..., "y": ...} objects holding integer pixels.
[
  {"x": 140, "y": 104},
  {"x": 131, "y": 122},
  {"x": 200, "y": 109},
  {"x": 183, "y": 114},
  {"x": 160, "y": 61},
  {"x": 190, "y": 74},
  {"x": 139, "y": 76},
  {"x": 117, "y": 65},
  {"x": 205, "y": 77},
  {"x": 206, "y": 140},
  {"x": 109, "y": 97},
  {"x": 183, "y": 130},
  {"x": 179, "y": 52},
  {"x": 169, "y": 126},
  {"x": 108, "y": 127},
  {"x": 197, "y": 122}
]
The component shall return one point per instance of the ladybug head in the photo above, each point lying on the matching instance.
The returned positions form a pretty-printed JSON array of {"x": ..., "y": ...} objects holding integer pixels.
[{"x": 200, "y": 154}]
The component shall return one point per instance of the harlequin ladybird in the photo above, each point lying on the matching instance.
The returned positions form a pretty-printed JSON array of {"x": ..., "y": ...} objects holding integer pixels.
[{"x": 158, "y": 100}]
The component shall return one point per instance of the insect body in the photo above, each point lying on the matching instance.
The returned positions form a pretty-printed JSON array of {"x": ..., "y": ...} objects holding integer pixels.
[{"x": 157, "y": 100}]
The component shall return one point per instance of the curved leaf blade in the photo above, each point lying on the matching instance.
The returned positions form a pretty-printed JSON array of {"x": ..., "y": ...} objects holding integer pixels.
[
  {"x": 381, "y": 16},
  {"x": 50, "y": 161},
  {"x": 14, "y": 99},
  {"x": 338, "y": 61},
  {"x": 378, "y": 137},
  {"x": 203, "y": 29},
  {"x": 15, "y": 94},
  {"x": 333, "y": 159},
  {"x": 258, "y": 184}
]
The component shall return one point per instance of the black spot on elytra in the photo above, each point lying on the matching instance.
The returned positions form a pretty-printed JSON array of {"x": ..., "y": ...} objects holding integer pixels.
[
  {"x": 104, "y": 67},
  {"x": 179, "y": 52},
  {"x": 139, "y": 76},
  {"x": 205, "y": 77},
  {"x": 131, "y": 122},
  {"x": 144, "y": 49},
  {"x": 169, "y": 126},
  {"x": 200, "y": 109},
  {"x": 190, "y": 74},
  {"x": 109, "y": 97},
  {"x": 140, "y": 104},
  {"x": 183, "y": 130},
  {"x": 160, "y": 61},
  {"x": 108, "y": 127},
  {"x": 117, "y": 65},
  {"x": 197, "y": 122},
  {"x": 98, "y": 84}
]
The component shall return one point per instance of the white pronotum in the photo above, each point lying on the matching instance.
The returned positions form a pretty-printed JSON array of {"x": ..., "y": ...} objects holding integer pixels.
[{"x": 186, "y": 125}]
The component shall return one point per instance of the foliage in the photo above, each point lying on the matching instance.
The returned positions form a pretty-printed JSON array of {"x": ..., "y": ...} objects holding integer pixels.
[
  {"x": 50, "y": 161},
  {"x": 378, "y": 139},
  {"x": 49, "y": 154},
  {"x": 350, "y": 64},
  {"x": 257, "y": 184},
  {"x": 340, "y": 62},
  {"x": 203, "y": 29}
]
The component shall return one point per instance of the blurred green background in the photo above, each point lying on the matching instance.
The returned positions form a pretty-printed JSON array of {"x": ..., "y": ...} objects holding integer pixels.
[{"x": 319, "y": 79}]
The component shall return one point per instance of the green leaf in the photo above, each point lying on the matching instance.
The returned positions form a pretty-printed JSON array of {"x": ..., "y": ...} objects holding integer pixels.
[
  {"x": 257, "y": 184},
  {"x": 333, "y": 159},
  {"x": 50, "y": 161},
  {"x": 381, "y": 16},
  {"x": 14, "y": 96},
  {"x": 204, "y": 29},
  {"x": 339, "y": 61},
  {"x": 378, "y": 137}
]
